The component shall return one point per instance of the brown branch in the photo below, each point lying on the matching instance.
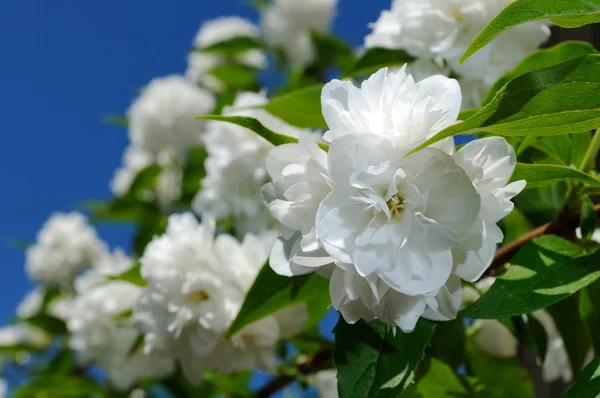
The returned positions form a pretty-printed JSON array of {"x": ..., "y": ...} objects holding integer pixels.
[
  {"x": 315, "y": 362},
  {"x": 564, "y": 225}
]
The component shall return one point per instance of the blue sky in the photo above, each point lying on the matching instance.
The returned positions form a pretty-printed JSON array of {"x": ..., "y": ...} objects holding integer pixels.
[{"x": 66, "y": 63}]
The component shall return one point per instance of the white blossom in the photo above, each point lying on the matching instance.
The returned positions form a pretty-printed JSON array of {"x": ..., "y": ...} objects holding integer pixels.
[
  {"x": 196, "y": 285},
  {"x": 31, "y": 304},
  {"x": 3, "y": 388},
  {"x": 489, "y": 163},
  {"x": 212, "y": 32},
  {"x": 326, "y": 383},
  {"x": 161, "y": 119},
  {"x": 23, "y": 334},
  {"x": 440, "y": 31},
  {"x": 235, "y": 168},
  {"x": 287, "y": 25},
  {"x": 65, "y": 244}
]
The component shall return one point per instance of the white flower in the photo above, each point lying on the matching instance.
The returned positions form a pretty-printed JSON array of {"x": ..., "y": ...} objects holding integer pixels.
[
  {"x": 392, "y": 105},
  {"x": 287, "y": 25},
  {"x": 23, "y": 334},
  {"x": 235, "y": 168},
  {"x": 98, "y": 336},
  {"x": 489, "y": 163},
  {"x": 31, "y": 304},
  {"x": 326, "y": 383},
  {"x": 65, "y": 245},
  {"x": 212, "y": 32},
  {"x": 3, "y": 388},
  {"x": 196, "y": 287},
  {"x": 162, "y": 118},
  {"x": 300, "y": 182}
]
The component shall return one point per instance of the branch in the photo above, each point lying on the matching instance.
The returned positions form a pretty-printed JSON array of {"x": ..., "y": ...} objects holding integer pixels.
[
  {"x": 314, "y": 363},
  {"x": 564, "y": 225}
]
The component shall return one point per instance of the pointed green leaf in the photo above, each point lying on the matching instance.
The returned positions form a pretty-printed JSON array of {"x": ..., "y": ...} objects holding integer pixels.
[
  {"x": 374, "y": 362},
  {"x": 271, "y": 293},
  {"x": 55, "y": 385},
  {"x": 588, "y": 384},
  {"x": 376, "y": 58},
  {"x": 254, "y": 125},
  {"x": 236, "y": 77},
  {"x": 234, "y": 46},
  {"x": 538, "y": 175},
  {"x": 565, "y": 13},
  {"x": 132, "y": 275},
  {"x": 545, "y": 271},
  {"x": 301, "y": 108},
  {"x": 562, "y": 99}
]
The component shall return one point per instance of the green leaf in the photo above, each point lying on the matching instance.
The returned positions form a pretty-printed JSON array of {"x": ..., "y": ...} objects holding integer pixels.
[
  {"x": 114, "y": 119},
  {"x": 153, "y": 224},
  {"x": 234, "y": 46},
  {"x": 254, "y": 125},
  {"x": 545, "y": 271},
  {"x": 236, "y": 77},
  {"x": 47, "y": 323},
  {"x": 573, "y": 331},
  {"x": 565, "y": 13},
  {"x": 589, "y": 218},
  {"x": 453, "y": 354},
  {"x": 301, "y": 108},
  {"x": 441, "y": 381},
  {"x": 579, "y": 146},
  {"x": 558, "y": 147},
  {"x": 271, "y": 292},
  {"x": 132, "y": 276},
  {"x": 502, "y": 377},
  {"x": 59, "y": 386},
  {"x": 515, "y": 225},
  {"x": 123, "y": 209},
  {"x": 542, "y": 205},
  {"x": 145, "y": 179},
  {"x": 542, "y": 59},
  {"x": 558, "y": 100},
  {"x": 588, "y": 384},
  {"x": 372, "y": 362},
  {"x": 590, "y": 311},
  {"x": 331, "y": 50},
  {"x": 193, "y": 173},
  {"x": 538, "y": 175},
  {"x": 376, "y": 58}
]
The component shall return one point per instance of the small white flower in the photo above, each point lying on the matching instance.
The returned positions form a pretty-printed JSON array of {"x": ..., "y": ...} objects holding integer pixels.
[
  {"x": 214, "y": 31},
  {"x": 196, "y": 287},
  {"x": 162, "y": 118},
  {"x": 65, "y": 245},
  {"x": 392, "y": 105},
  {"x": 235, "y": 168},
  {"x": 287, "y": 25}
]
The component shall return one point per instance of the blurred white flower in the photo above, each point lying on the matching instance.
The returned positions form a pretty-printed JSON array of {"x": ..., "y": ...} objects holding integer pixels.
[
  {"x": 23, "y": 334},
  {"x": 161, "y": 119},
  {"x": 3, "y": 389},
  {"x": 99, "y": 336},
  {"x": 392, "y": 105},
  {"x": 326, "y": 383},
  {"x": 235, "y": 168},
  {"x": 196, "y": 287},
  {"x": 489, "y": 163},
  {"x": 212, "y": 32},
  {"x": 65, "y": 244},
  {"x": 31, "y": 304},
  {"x": 442, "y": 30},
  {"x": 287, "y": 25}
]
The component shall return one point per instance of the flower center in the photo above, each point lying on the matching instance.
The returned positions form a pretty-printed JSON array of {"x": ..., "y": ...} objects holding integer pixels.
[
  {"x": 458, "y": 15},
  {"x": 197, "y": 297},
  {"x": 396, "y": 206}
]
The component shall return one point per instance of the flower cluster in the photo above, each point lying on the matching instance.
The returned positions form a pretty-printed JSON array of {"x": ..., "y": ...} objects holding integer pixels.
[
  {"x": 196, "y": 286},
  {"x": 438, "y": 32},
  {"x": 395, "y": 231}
]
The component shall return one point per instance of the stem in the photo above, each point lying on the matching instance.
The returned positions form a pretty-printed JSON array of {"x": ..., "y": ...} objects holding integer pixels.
[{"x": 591, "y": 152}]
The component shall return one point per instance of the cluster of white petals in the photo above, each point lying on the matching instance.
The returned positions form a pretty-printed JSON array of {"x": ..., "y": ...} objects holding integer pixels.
[
  {"x": 287, "y": 25},
  {"x": 97, "y": 333},
  {"x": 196, "y": 285},
  {"x": 200, "y": 64},
  {"x": 496, "y": 339},
  {"x": 438, "y": 32},
  {"x": 65, "y": 245},
  {"x": 161, "y": 119},
  {"x": 235, "y": 167},
  {"x": 395, "y": 232}
]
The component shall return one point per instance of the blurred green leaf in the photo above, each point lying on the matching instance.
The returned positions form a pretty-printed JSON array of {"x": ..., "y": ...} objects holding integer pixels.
[
  {"x": 455, "y": 353},
  {"x": 47, "y": 323},
  {"x": 254, "y": 125},
  {"x": 153, "y": 224},
  {"x": 331, "y": 50},
  {"x": 236, "y": 77},
  {"x": 588, "y": 384},
  {"x": 589, "y": 218},
  {"x": 441, "y": 381},
  {"x": 376, "y": 58},
  {"x": 132, "y": 276},
  {"x": 55, "y": 386},
  {"x": 301, "y": 108},
  {"x": 538, "y": 175},
  {"x": 145, "y": 179},
  {"x": 234, "y": 46},
  {"x": 374, "y": 362}
]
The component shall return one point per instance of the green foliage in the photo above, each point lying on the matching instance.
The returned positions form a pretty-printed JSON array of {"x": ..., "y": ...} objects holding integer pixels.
[
  {"x": 565, "y": 13},
  {"x": 547, "y": 270},
  {"x": 132, "y": 276},
  {"x": 561, "y": 99},
  {"x": 300, "y": 108},
  {"x": 233, "y": 46},
  {"x": 376, "y": 58},
  {"x": 272, "y": 292},
  {"x": 589, "y": 218},
  {"x": 254, "y": 125},
  {"x": 47, "y": 323},
  {"x": 55, "y": 385},
  {"x": 442, "y": 381},
  {"x": 374, "y": 362},
  {"x": 453, "y": 354},
  {"x": 538, "y": 175},
  {"x": 588, "y": 385},
  {"x": 236, "y": 77}
]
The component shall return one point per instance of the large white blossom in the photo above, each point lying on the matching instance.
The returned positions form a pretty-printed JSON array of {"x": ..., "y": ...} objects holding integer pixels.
[
  {"x": 212, "y": 32},
  {"x": 65, "y": 244},
  {"x": 196, "y": 285},
  {"x": 235, "y": 168},
  {"x": 287, "y": 25},
  {"x": 440, "y": 31},
  {"x": 161, "y": 119},
  {"x": 401, "y": 230}
]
